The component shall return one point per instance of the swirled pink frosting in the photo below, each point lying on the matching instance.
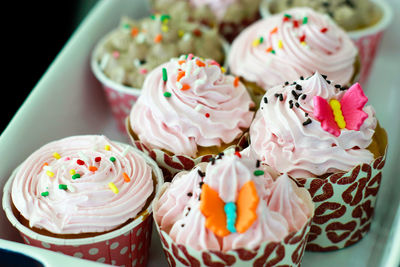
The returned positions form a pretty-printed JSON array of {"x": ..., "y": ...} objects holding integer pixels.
[
  {"x": 283, "y": 208},
  {"x": 219, "y": 7},
  {"x": 198, "y": 105},
  {"x": 87, "y": 204},
  {"x": 292, "y": 44},
  {"x": 279, "y": 137}
]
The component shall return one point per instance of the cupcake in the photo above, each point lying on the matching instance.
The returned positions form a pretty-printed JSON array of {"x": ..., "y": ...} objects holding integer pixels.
[
  {"x": 288, "y": 45},
  {"x": 85, "y": 196},
  {"x": 190, "y": 108},
  {"x": 234, "y": 208},
  {"x": 365, "y": 21},
  {"x": 229, "y": 17},
  {"x": 326, "y": 137},
  {"x": 122, "y": 59}
]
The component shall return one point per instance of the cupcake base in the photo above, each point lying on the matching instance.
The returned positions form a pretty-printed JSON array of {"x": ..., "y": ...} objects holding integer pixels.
[{"x": 345, "y": 202}]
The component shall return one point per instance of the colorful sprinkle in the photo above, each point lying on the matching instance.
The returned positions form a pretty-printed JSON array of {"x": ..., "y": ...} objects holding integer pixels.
[
  {"x": 237, "y": 153},
  {"x": 302, "y": 38},
  {"x": 76, "y": 176},
  {"x": 92, "y": 168},
  {"x": 80, "y": 162},
  {"x": 223, "y": 70},
  {"x": 207, "y": 115},
  {"x": 324, "y": 30},
  {"x": 113, "y": 188},
  {"x": 164, "y": 74},
  {"x": 274, "y": 30},
  {"x": 56, "y": 155},
  {"x": 115, "y": 54},
  {"x": 126, "y": 177},
  {"x": 167, "y": 94},
  {"x": 185, "y": 87},
  {"x": 107, "y": 147},
  {"x": 112, "y": 159},
  {"x": 280, "y": 44},
  {"x": 45, "y": 194},
  {"x": 164, "y": 28},
  {"x": 295, "y": 24},
  {"x": 63, "y": 186},
  {"x": 236, "y": 81},
  {"x": 72, "y": 171},
  {"x": 158, "y": 38},
  {"x": 181, "y": 33},
  {"x": 180, "y": 75},
  {"x": 97, "y": 159},
  {"x": 143, "y": 71},
  {"x": 134, "y": 31},
  {"x": 200, "y": 63},
  {"x": 305, "y": 20},
  {"x": 258, "y": 172},
  {"x": 197, "y": 32},
  {"x": 50, "y": 174}
]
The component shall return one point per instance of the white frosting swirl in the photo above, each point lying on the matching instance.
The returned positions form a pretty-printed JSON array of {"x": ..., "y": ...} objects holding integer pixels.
[
  {"x": 204, "y": 107},
  {"x": 87, "y": 204},
  {"x": 291, "y": 47},
  {"x": 280, "y": 139}
]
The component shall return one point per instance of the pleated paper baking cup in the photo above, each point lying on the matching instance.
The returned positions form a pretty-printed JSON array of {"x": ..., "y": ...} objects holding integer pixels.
[
  {"x": 345, "y": 202},
  {"x": 121, "y": 98},
  {"x": 366, "y": 40},
  {"x": 172, "y": 164},
  {"x": 125, "y": 246},
  {"x": 288, "y": 252}
]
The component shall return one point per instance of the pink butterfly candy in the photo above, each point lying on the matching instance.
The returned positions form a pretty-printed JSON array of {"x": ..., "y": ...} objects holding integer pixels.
[{"x": 351, "y": 106}]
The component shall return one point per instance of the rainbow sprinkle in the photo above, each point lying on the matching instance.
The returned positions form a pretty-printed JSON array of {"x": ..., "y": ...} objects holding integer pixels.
[
  {"x": 113, "y": 188},
  {"x": 56, "y": 155}
]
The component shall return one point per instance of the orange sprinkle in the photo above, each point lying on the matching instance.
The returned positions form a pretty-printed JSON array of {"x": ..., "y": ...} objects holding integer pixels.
[
  {"x": 274, "y": 30},
  {"x": 180, "y": 62},
  {"x": 92, "y": 168},
  {"x": 126, "y": 177},
  {"x": 269, "y": 49},
  {"x": 236, "y": 81},
  {"x": 180, "y": 75},
  {"x": 200, "y": 63},
  {"x": 45, "y": 164},
  {"x": 185, "y": 87},
  {"x": 135, "y": 31},
  {"x": 158, "y": 38}
]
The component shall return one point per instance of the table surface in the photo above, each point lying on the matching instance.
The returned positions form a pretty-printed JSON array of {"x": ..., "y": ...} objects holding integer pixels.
[{"x": 68, "y": 101}]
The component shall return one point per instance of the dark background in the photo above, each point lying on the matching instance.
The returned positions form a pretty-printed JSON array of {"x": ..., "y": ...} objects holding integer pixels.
[{"x": 33, "y": 33}]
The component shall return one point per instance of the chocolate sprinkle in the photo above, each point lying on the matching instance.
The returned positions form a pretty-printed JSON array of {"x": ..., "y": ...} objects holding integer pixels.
[
  {"x": 201, "y": 184},
  {"x": 343, "y": 88},
  {"x": 296, "y": 96},
  {"x": 324, "y": 76},
  {"x": 290, "y": 103},
  {"x": 301, "y": 78},
  {"x": 303, "y": 96},
  {"x": 298, "y": 87},
  {"x": 338, "y": 86},
  {"x": 189, "y": 194},
  {"x": 308, "y": 121},
  {"x": 265, "y": 100},
  {"x": 258, "y": 163},
  {"x": 286, "y": 83},
  {"x": 297, "y": 104},
  {"x": 201, "y": 174}
]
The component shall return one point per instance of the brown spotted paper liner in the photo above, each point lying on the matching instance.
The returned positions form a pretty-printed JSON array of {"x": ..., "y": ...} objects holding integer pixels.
[
  {"x": 172, "y": 164},
  {"x": 126, "y": 246},
  {"x": 288, "y": 252},
  {"x": 344, "y": 203}
]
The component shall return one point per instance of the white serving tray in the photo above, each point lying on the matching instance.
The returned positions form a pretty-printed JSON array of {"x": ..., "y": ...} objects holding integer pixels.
[{"x": 68, "y": 100}]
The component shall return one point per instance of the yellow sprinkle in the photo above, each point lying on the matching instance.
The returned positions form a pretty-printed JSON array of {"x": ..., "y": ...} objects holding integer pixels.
[
  {"x": 164, "y": 28},
  {"x": 223, "y": 70},
  {"x": 303, "y": 43},
  {"x": 113, "y": 187},
  {"x": 181, "y": 33},
  {"x": 56, "y": 155},
  {"x": 72, "y": 172},
  {"x": 280, "y": 44},
  {"x": 256, "y": 42},
  {"x": 50, "y": 174},
  {"x": 107, "y": 147},
  {"x": 337, "y": 112}
]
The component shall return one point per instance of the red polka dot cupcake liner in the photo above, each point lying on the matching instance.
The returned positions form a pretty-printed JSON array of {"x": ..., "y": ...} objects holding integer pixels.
[
  {"x": 366, "y": 40},
  {"x": 288, "y": 252},
  {"x": 126, "y": 246}
]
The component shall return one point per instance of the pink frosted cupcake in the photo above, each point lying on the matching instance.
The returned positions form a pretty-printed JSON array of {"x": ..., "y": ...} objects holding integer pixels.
[
  {"x": 228, "y": 16},
  {"x": 288, "y": 45},
  {"x": 234, "y": 208},
  {"x": 326, "y": 136},
  {"x": 190, "y": 108},
  {"x": 85, "y": 196}
]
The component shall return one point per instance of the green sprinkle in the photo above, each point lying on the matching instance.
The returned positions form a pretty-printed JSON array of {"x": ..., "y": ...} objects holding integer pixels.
[
  {"x": 164, "y": 17},
  {"x": 305, "y": 20},
  {"x": 164, "y": 74},
  {"x": 126, "y": 26},
  {"x": 76, "y": 175},
  {"x": 261, "y": 40},
  {"x": 112, "y": 159},
  {"x": 153, "y": 17},
  {"x": 45, "y": 194},
  {"x": 63, "y": 186},
  {"x": 258, "y": 172},
  {"x": 273, "y": 51},
  {"x": 288, "y": 16},
  {"x": 167, "y": 94}
]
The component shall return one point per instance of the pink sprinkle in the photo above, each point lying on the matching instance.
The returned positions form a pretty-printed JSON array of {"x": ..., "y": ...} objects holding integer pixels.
[
  {"x": 67, "y": 158},
  {"x": 143, "y": 71},
  {"x": 190, "y": 56},
  {"x": 115, "y": 54}
]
